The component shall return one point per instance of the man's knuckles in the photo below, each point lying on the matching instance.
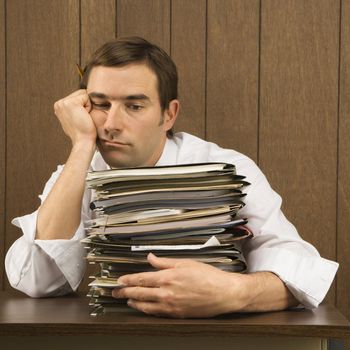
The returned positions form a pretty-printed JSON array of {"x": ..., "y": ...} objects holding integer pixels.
[
  {"x": 167, "y": 297},
  {"x": 65, "y": 104},
  {"x": 71, "y": 102}
]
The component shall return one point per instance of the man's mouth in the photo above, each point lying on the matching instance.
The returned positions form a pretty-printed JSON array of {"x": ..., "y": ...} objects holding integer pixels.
[{"x": 112, "y": 143}]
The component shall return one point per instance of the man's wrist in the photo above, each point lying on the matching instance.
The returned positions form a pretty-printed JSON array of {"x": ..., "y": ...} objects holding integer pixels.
[
  {"x": 253, "y": 287},
  {"x": 85, "y": 145},
  {"x": 260, "y": 291},
  {"x": 238, "y": 294},
  {"x": 85, "y": 148}
]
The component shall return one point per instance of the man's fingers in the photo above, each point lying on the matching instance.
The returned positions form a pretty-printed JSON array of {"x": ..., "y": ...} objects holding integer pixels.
[
  {"x": 163, "y": 263},
  {"x": 81, "y": 95},
  {"x": 77, "y": 93},
  {"x": 76, "y": 98},
  {"x": 143, "y": 279},
  {"x": 157, "y": 278},
  {"x": 138, "y": 293}
]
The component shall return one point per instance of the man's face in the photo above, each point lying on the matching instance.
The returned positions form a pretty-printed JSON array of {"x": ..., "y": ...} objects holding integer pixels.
[{"x": 131, "y": 126}]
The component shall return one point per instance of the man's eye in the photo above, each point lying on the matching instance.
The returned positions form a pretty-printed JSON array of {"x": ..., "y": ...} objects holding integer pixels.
[
  {"x": 100, "y": 105},
  {"x": 135, "y": 107}
]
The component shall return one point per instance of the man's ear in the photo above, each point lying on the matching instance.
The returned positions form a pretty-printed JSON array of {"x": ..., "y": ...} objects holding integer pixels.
[{"x": 170, "y": 114}]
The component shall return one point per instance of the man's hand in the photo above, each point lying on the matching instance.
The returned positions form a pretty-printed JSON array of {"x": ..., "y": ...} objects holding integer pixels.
[
  {"x": 73, "y": 114},
  {"x": 186, "y": 288},
  {"x": 183, "y": 288}
]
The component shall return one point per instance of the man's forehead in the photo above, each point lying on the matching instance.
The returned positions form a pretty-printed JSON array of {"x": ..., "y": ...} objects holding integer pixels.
[
  {"x": 117, "y": 82},
  {"x": 131, "y": 73}
]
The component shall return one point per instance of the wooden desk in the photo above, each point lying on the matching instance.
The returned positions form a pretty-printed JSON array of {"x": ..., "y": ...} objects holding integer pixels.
[{"x": 65, "y": 323}]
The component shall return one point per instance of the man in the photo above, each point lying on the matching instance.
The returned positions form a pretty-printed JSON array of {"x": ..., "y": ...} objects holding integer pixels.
[{"x": 123, "y": 117}]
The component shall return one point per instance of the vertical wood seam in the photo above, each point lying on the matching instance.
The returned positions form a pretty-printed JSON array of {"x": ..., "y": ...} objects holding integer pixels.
[
  {"x": 206, "y": 71},
  {"x": 116, "y": 19},
  {"x": 338, "y": 133},
  {"x": 5, "y": 146},
  {"x": 259, "y": 85},
  {"x": 170, "y": 23},
  {"x": 80, "y": 31}
]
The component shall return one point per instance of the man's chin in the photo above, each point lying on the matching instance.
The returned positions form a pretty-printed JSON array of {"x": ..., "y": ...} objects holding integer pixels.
[
  {"x": 117, "y": 159},
  {"x": 114, "y": 162}
]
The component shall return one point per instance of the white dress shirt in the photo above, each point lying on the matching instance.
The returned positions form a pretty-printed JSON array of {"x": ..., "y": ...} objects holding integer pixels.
[{"x": 55, "y": 267}]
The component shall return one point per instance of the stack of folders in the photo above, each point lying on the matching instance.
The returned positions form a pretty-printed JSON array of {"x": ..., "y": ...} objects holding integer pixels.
[{"x": 181, "y": 211}]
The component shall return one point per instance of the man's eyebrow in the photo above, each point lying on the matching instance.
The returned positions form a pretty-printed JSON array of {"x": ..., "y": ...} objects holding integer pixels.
[
  {"x": 129, "y": 97},
  {"x": 98, "y": 95},
  {"x": 136, "y": 97}
]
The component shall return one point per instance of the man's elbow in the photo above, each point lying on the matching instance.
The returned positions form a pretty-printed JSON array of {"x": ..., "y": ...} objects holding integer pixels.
[
  {"x": 38, "y": 277},
  {"x": 43, "y": 291}
]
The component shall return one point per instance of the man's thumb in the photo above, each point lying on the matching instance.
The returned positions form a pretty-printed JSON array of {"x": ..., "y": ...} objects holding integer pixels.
[{"x": 161, "y": 263}]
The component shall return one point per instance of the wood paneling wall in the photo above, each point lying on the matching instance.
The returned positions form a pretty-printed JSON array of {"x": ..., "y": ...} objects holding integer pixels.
[
  {"x": 233, "y": 74},
  {"x": 189, "y": 53},
  {"x": 299, "y": 113},
  {"x": 269, "y": 78},
  {"x": 2, "y": 136},
  {"x": 343, "y": 212}
]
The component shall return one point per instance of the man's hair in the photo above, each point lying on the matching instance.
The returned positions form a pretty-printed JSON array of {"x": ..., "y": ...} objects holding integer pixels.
[{"x": 123, "y": 51}]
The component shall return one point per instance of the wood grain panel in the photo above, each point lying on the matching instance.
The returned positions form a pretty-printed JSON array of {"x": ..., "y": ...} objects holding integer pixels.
[
  {"x": 298, "y": 113},
  {"x": 43, "y": 47},
  {"x": 149, "y": 19},
  {"x": 232, "y": 74},
  {"x": 98, "y": 25},
  {"x": 2, "y": 139},
  {"x": 343, "y": 241},
  {"x": 188, "y": 26}
]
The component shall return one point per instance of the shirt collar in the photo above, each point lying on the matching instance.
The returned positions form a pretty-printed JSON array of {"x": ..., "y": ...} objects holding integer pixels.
[
  {"x": 169, "y": 154},
  {"x": 98, "y": 163}
]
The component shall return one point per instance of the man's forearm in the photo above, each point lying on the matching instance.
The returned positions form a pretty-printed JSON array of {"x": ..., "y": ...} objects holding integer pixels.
[
  {"x": 59, "y": 216},
  {"x": 264, "y": 291}
]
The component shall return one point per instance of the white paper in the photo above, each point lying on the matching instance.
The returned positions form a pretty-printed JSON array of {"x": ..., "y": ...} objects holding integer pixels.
[{"x": 211, "y": 242}]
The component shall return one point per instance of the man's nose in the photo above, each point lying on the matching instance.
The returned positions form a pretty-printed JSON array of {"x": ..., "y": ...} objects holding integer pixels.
[{"x": 114, "y": 120}]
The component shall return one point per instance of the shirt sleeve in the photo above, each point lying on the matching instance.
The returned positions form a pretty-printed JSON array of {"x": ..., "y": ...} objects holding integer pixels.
[
  {"x": 277, "y": 247},
  {"x": 46, "y": 267}
]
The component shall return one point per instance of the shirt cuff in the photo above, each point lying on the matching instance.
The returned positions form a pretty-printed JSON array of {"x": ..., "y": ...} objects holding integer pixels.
[
  {"x": 68, "y": 254},
  {"x": 307, "y": 277},
  {"x": 27, "y": 224}
]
